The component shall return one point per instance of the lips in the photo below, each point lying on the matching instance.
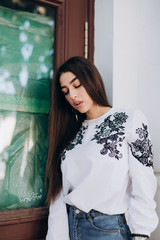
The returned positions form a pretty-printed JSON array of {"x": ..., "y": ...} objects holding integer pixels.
[{"x": 77, "y": 104}]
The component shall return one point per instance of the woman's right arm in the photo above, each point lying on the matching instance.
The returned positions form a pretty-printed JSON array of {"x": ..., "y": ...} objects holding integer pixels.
[{"x": 58, "y": 220}]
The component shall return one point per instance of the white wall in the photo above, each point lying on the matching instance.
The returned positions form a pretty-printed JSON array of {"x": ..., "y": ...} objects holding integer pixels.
[
  {"x": 136, "y": 66},
  {"x": 136, "y": 62},
  {"x": 104, "y": 42}
]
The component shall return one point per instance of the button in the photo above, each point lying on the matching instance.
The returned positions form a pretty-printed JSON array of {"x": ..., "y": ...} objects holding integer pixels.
[{"x": 77, "y": 211}]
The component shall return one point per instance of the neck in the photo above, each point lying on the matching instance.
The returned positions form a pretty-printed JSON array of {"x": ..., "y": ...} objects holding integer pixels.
[{"x": 97, "y": 112}]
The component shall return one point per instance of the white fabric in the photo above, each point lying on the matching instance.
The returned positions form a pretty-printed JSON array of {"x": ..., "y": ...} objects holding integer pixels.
[
  {"x": 58, "y": 220},
  {"x": 107, "y": 179}
]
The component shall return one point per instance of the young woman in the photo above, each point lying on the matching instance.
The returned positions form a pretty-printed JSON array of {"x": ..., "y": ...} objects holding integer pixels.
[{"x": 100, "y": 162}]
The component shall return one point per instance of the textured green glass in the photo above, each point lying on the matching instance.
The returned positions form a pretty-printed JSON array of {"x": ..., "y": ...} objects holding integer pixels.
[
  {"x": 23, "y": 159},
  {"x": 26, "y": 69}
]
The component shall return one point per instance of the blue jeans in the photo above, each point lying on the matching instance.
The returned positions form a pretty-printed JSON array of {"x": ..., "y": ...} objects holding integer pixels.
[{"x": 96, "y": 225}]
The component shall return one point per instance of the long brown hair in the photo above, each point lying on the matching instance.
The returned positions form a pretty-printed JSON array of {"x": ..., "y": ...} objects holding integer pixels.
[{"x": 64, "y": 121}]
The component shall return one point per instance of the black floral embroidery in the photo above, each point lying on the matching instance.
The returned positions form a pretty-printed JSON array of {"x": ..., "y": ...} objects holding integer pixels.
[
  {"x": 142, "y": 147},
  {"x": 110, "y": 133},
  {"x": 77, "y": 140}
]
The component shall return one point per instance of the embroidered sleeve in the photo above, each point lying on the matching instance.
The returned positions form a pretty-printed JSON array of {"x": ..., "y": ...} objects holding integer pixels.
[
  {"x": 141, "y": 147},
  {"x": 142, "y": 217}
]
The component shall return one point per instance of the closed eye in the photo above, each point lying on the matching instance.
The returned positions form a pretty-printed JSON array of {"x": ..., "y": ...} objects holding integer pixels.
[
  {"x": 65, "y": 93},
  {"x": 78, "y": 86}
]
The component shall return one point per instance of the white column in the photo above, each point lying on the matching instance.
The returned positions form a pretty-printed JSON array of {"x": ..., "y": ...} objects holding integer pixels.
[{"x": 103, "y": 57}]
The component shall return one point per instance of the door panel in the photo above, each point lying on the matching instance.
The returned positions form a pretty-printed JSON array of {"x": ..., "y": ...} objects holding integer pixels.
[{"x": 75, "y": 24}]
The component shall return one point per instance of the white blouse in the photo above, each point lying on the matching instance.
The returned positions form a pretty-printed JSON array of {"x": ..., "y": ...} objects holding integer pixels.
[{"x": 108, "y": 167}]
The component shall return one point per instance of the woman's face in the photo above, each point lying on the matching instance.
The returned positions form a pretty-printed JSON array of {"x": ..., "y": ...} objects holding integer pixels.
[{"x": 75, "y": 93}]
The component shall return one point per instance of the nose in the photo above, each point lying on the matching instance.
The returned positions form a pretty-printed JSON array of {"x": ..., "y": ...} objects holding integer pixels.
[{"x": 73, "y": 94}]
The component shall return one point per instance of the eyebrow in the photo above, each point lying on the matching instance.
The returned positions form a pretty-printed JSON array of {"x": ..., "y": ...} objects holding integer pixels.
[{"x": 70, "y": 82}]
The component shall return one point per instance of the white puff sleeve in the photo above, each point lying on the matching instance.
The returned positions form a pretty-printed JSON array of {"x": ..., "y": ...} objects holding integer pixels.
[
  {"x": 58, "y": 220},
  {"x": 142, "y": 218}
]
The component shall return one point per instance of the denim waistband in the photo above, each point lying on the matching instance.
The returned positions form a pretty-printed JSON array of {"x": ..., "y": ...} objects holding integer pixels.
[{"x": 94, "y": 213}]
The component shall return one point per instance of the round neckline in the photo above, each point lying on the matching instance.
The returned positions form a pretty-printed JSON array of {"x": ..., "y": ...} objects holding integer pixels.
[{"x": 102, "y": 116}]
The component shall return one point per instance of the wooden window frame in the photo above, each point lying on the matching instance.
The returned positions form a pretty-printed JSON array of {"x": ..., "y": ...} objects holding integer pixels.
[
  {"x": 62, "y": 34},
  {"x": 31, "y": 223}
]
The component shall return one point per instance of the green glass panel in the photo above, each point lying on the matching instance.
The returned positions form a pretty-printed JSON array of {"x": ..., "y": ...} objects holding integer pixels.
[
  {"x": 23, "y": 154},
  {"x": 26, "y": 66},
  {"x": 26, "y": 69}
]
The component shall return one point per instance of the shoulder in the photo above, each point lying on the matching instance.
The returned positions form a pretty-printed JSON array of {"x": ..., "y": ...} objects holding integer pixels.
[
  {"x": 130, "y": 117},
  {"x": 130, "y": 113}
]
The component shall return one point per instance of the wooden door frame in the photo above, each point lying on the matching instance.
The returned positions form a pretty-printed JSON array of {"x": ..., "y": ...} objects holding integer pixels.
[{"x": 61, "y": 30}]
